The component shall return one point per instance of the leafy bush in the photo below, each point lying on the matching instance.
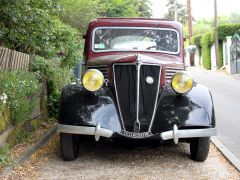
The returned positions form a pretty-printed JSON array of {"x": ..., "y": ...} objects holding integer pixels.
[
  {"x": 206, "y": 48},
  {"x": 21, "y": 87},
  {"x": 49, "y": 71}
]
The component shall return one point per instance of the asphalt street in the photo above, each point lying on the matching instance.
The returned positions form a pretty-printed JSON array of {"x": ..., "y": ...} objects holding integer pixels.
[{"x": 226, "y": 96}]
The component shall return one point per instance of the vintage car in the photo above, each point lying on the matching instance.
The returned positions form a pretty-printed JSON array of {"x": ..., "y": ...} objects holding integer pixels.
[{"x": 133, "y": 86}]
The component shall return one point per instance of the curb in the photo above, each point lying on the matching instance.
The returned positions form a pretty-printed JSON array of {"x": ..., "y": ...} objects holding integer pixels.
[
  {"x": 226, "y": 152},
  {"x": 42, "y": 141}
]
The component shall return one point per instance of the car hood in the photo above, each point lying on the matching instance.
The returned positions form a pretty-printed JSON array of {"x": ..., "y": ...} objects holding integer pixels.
[{"x": 163, "y": 59}]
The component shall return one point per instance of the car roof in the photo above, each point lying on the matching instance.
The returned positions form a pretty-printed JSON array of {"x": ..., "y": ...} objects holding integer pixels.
[{"x": 135, "y": 22}]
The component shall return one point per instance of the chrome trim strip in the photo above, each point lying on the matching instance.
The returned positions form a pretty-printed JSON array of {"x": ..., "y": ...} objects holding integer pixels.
[
  {"x": 86, "y": 130},
  {"x": 155, "y": 105},
  {"x": 138, "y": 69},
  {"x": 118, "y": 27},
  {"x": 176, "y": 134}
]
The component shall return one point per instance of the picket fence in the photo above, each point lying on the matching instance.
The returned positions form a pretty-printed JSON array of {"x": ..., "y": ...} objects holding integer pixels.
[{"x": 13, "y": 60}]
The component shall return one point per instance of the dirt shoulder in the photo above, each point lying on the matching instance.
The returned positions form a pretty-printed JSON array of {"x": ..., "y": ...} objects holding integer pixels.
[{"x": 108, "y": 161}]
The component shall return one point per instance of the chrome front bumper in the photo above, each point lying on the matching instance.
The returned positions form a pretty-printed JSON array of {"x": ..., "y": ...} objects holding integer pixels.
[
  {"x": 85, "y": 130},
  {"x": 174, "y": 134}
]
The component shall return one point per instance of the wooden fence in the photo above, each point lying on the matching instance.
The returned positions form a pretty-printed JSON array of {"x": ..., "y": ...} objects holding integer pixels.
[{"x": 13, "y": 60}]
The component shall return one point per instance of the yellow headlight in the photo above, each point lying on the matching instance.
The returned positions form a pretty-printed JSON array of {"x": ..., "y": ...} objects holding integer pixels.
[
  {"x": 182, "y": 82},
  {"x": 93, "y": 80}
]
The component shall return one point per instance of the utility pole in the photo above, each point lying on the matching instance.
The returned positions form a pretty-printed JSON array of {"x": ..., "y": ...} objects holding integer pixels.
[
  {"x": 175, "y": 11},
  {"x": 189, "y": 8},
  {"x": 216, "y": 33}
]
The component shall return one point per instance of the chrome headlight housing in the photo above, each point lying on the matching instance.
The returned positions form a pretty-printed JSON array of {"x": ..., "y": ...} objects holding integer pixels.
[
  {"x": 182, "y": 82},
  {"x": 92, "y": 80}
]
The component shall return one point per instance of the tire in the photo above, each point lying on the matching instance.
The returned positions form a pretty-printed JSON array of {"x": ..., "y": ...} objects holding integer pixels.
[
  {"x": 69, "y": 146},
  {"x": 199, "y": 148}
]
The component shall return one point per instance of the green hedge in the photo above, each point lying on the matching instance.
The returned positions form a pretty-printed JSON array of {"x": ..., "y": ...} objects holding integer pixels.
[
  {"x": 206, "y": 47},
  {"x": 208, "y": 39},
  {"x": 196, "y": 40},
  {"x": 220, "y": 52},
  {"x": 227, "y": 30}
]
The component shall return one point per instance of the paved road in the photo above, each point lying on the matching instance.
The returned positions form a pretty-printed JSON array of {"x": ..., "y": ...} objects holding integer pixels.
[{"x": 226, "y": 96}]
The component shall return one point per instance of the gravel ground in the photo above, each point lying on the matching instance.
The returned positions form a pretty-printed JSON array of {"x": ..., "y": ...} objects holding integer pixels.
[{"x": 105, "y": 160}]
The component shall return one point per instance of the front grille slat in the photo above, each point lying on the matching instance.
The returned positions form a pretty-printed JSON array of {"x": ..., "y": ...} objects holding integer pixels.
[
  {"x": 170, "y": 71},
  {"x": 125, "y": 78},
  {"x": 102, "y": 68}
]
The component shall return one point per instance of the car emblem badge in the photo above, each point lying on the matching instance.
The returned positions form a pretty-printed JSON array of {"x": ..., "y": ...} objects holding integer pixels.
[{"x": 149, "y": 80}]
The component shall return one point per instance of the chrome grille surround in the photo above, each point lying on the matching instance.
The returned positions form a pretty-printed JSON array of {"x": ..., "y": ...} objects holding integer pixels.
[{"x": 138, "y": 65}]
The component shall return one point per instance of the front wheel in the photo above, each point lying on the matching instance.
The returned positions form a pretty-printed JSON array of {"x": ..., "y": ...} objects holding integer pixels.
[
  {"x": 69, "y": 146},
  {"x": 199, "y": 148}
]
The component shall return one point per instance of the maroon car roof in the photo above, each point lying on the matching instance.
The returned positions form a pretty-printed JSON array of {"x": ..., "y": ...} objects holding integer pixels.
[{"x": 135, "y": 22}]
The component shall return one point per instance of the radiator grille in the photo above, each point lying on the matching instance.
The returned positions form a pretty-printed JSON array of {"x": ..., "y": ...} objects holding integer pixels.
[
  {"x": 125, "y": 76},
  {"x": 170, "y": 71},
  {"x": 102, "y": 68}
]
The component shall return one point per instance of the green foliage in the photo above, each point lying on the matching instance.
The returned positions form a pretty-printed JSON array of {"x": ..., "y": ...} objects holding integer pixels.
[
  {"x": 49, "y": 71},
  {"x": 4, "y": 117},
  {"x": 227, "y": 30},
  {"x": 78, "y": 13},
  {"x": 206, "y": 48},
  {"x": 127, "y": 8},
  {"x": 5, "y": 158},
  {"x": 24, "y": 136},
  {"x": 21, "y": 87},
  {"x": 33, "y": 27},
  {"x": 196, "y": 40},
  {"x": 181, "y": 11},
  {"x": 220, "y": 52},
  {"x": 202, "y": 26}
]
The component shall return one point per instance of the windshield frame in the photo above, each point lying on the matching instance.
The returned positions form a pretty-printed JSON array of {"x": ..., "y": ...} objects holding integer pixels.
[{"x": 135, "y": 50}]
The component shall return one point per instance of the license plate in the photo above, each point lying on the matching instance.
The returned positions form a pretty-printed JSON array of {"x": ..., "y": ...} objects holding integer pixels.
[{"x": 136, "y": 135}]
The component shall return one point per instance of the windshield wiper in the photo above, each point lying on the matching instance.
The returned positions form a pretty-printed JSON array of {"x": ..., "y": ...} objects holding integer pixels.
[
  {"x": 107, "y": 31},
  {"x": 146, "y": 34}
]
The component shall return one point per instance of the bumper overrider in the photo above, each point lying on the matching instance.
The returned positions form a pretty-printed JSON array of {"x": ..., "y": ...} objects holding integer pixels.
[{"x": 174, "y": 134}]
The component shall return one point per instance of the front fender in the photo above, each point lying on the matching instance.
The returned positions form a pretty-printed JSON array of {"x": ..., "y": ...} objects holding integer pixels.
[
  {"x": 194, "y": 109},
  {"x": 81, "y": 107}
]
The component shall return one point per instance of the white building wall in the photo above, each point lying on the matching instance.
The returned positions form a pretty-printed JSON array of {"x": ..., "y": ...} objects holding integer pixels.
[
  {"x": 228, "y": 53},
  {"x": 197, "y": 57},
  {"x": 213, "y": 58}
]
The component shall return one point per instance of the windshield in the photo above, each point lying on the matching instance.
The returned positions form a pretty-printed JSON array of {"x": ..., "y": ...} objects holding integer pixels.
[{"x": 135, "y": 39}]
